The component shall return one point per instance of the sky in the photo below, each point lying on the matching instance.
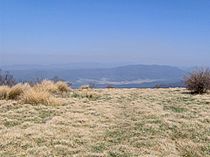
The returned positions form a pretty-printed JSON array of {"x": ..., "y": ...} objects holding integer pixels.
[{"x": 166, "y": 32}]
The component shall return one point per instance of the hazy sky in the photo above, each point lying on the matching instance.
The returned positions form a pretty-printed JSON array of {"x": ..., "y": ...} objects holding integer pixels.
[{"x": 173, "y": 32}]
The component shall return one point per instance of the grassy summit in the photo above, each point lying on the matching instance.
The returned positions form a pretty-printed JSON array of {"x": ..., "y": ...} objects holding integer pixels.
[{"x": 108, "y": 122}]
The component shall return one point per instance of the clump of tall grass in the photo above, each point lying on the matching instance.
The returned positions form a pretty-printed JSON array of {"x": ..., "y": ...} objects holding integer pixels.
[
  {"x": 4, "y": 90},
  {"x": 13, "y": 92},
  {"x": 35, "y": 97},
  {"x": 46, "y": 85},
  {"x": 40, "y": 93},
  {"x": 53, "y": 87},
  {"x": 16, "y": 91}
]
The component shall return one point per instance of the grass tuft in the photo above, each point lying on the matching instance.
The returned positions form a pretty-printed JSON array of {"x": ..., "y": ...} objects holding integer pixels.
[
  {"x": 46, "y": 85},
  {"x": 4, "y": 90},
  {"x": 38, "y": 97},
  {"x": 16, "y": 91}
]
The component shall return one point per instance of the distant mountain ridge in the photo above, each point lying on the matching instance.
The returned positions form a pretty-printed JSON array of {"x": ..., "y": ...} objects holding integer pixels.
[{"x": 119, "y": 76}]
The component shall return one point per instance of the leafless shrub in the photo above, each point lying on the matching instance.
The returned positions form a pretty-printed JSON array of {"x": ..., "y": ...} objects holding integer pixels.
[
  {"x": 56, "y": 79},
  {"x": 92, "y": 85},
  {"x": 6, "y": 79},
  {"x": 62, "y": 86},
  {"x": 198, "y": 82},
  {"x": 157, "y": 86},
  {"x": 109, "y": 86},
  {"x": 84, "y": 87}
]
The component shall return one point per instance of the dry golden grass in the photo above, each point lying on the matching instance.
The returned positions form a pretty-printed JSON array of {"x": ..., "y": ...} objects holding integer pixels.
[
  {"x": 50, "y": 86},
  {"x": 116, "y": 123},
  {"x": 46, "y": 85},
  {"x": 86, "y": 93},
  {"x": 4, "y": 90},
  {"x": 35, "y": 97},
  {"x": 16, "y": 91},
  {"x": 40, "y": 93}
]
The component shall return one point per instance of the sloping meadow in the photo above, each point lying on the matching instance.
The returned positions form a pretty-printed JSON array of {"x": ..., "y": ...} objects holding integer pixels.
[{"x": 104, "y": 122}]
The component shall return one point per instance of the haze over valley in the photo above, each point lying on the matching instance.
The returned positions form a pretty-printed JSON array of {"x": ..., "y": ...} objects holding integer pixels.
[{"x": 132, "y": 76}]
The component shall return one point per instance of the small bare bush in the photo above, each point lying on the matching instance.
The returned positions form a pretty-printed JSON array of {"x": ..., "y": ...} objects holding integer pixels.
[
  {"x": 62, "y": 86},
  {"x": 84, "y": 87},
  {"x": 39, "y": 97},
  {"x": 16, "y": 91},
  {"x": 4, "y": 90},
  {"x": 6, "y": 79},
  {"x": 198, "y": 81},
  {"x": 109, "y": 86}
]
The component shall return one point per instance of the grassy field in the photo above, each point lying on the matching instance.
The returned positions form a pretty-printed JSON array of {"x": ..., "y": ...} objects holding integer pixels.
[{"x": 109, "y": 122}]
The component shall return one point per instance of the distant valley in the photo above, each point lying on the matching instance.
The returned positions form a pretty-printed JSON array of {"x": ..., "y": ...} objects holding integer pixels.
[{"x": 130, "y": 76}]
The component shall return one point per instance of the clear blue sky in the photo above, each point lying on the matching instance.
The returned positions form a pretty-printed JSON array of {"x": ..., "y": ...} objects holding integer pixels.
[{"x": 173, "y": 32}]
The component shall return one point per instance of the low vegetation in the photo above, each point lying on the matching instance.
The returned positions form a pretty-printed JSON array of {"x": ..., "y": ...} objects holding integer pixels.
[
  {"x": 105, "y": 122},
  {"x": 198, "y": 82},
  {"x": 4, "y": 90},
  {"x": 16, "y": 91},
  {"x": 38, "y": 97},
  {"x": 44, "y": 92},
  {"x": 62, "y": 86},
  {"x": 48, "y": 118}
]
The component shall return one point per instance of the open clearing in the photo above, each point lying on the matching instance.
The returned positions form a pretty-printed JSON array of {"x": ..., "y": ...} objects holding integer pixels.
[{"x": 109, "y": 122}]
